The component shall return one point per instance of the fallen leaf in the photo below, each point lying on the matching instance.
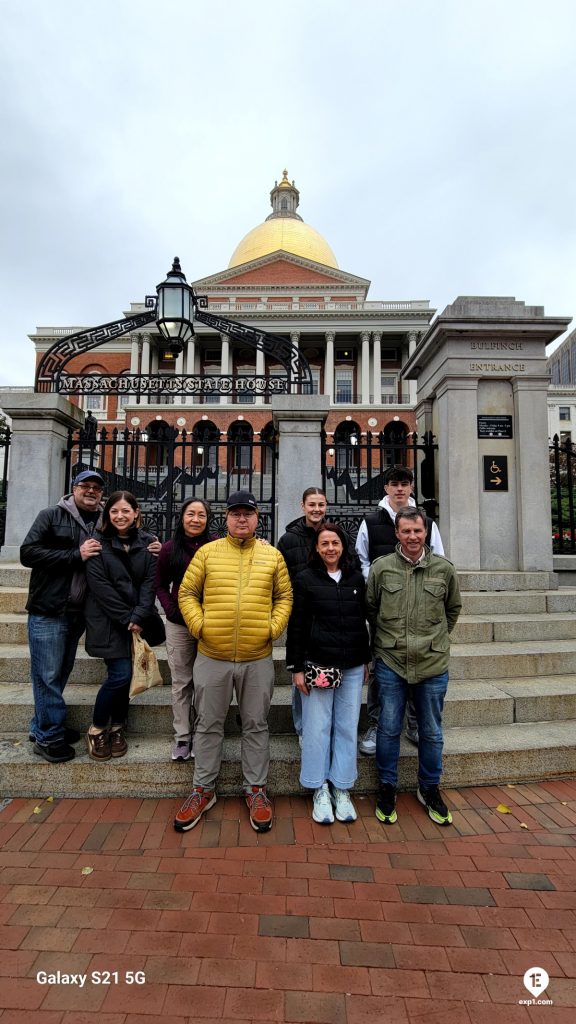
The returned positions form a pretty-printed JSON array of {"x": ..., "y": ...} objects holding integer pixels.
[
  {"x": 87, "y": 871},
  {"x": 37, "y": 810},
  {"x": 510, "y": 785},
  {"x": 523, "y": 824},
  {"x": 503, "y": 809},
  {"x": 564, "y": 803},
  {"x": 49, "y": 799}
]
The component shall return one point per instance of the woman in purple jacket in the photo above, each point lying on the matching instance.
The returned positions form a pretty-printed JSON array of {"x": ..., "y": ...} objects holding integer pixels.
[{"x": 190, "y": 534}]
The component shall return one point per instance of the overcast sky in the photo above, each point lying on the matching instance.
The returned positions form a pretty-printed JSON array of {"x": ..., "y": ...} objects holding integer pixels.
[{"x": 433, "y": 143}]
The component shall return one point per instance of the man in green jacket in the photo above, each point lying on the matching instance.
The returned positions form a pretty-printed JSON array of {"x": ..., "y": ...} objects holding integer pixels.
[{"x": 413, "y": 602}]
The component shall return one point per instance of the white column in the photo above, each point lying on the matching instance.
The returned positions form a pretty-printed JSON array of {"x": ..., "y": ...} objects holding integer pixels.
[
  {"x": 135, "y": 353},
  {"x": 225, "y": 364},
  {"x": 329, "y": 366},
  {"x": 365, "y": 336},
  {"x": 376, "y": 367},
  {"x": 145, "y": 365},
  {"x": 260, "y": 371},
  {"x": 412, "y": 384},
  {"x": 190, "y": 361}
]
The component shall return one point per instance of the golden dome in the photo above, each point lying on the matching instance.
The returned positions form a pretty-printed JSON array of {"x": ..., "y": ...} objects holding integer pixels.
[
  {"x": 283, "y": 233},
  {"x": 284, "y": 229}
]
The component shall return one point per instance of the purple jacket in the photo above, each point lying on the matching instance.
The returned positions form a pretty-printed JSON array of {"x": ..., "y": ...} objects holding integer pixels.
[{"x": 168, "y": 581}]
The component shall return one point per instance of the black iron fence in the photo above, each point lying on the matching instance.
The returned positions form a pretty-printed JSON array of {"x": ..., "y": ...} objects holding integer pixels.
[
  {"x": 562, "y": 483},
  {"x": 354, "y": 469},
  {"x": 5, "y": 437},
  {"x": 169, "y": 468}
]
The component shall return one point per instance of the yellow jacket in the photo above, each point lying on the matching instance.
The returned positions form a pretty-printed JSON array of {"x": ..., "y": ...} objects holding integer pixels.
[{"x": 236, "y": 598}]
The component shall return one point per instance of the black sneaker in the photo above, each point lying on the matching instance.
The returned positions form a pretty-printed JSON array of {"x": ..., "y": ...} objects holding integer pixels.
[
  {"x": 54, "y": 752},
  {"x": 386, "y": 804},
  {"x": 70, "y": 736},
  {"x": 431, "y": 797}
]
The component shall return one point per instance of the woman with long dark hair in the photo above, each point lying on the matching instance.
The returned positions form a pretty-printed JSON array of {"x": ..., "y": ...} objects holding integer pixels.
[
  {"x": 119, "y": 602},
  {"x": 190, "y": 534},
  {"x": 327, "y": 632}
]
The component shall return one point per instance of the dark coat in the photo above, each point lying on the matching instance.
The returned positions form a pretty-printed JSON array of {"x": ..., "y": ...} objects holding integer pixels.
[
  {"x": 296, "y": 544},
  {"x": 328, "y": 621},
  {"x": 51, "y": 548},
  {"x": 121, "y": 589}
]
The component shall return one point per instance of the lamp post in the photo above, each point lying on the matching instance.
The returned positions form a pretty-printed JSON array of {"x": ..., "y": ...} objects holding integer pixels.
[{"x": 175, "y": 309}]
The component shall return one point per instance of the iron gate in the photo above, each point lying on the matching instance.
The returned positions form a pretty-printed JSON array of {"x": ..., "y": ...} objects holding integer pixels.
[
  {"x": 166, "y": 467},
  {"x": 5, "y": 436},
  {"x": 353, "y": 471}
]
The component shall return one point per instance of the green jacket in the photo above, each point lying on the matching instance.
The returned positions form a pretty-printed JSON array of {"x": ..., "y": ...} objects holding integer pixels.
[{"x": 412, "y": 610}]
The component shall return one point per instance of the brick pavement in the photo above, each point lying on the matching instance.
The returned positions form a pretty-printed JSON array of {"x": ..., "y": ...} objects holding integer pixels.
[{"x": 318, "y": 925}]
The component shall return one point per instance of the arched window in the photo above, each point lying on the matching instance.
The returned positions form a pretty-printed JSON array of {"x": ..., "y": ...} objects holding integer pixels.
[
  {"x": 158, "y": 433},
  {"x": 205, "y": 436},
  {"x": 347, "y": 444},
  {"x": 240, "y": 437},
  {"x": 268, "y": 439},
  {"x": 393, "y": 440},
  {"x": 123, "y": 398}
]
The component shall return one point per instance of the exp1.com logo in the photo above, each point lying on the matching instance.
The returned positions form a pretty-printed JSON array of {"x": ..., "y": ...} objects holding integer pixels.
[{"x": 536, "y": 980}]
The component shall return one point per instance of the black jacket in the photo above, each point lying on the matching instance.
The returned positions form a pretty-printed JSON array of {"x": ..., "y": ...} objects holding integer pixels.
[
  {"x": 296, "y": 544},
  {"x": 382, "y": 539},
  {"x": 51, "y": 548},
  {"x": 121, "y": 589},
  {"x": 328, "y": 621}
]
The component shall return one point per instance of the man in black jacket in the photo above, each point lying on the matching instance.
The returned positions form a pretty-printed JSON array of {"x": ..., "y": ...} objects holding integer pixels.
[{"x": 56, "y": 547}]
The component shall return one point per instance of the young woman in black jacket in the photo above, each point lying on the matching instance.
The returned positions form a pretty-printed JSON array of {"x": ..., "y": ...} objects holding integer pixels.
[
  {"x": 121, "y": 593},
  {"x": 175, "y": 556},
  {"x": 328, "y": 627}
]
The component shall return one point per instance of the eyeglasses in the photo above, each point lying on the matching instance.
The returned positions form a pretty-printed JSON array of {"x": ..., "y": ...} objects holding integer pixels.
[
  {"x": 244, "y": 514},
  {"x": 90, "y": 487}
]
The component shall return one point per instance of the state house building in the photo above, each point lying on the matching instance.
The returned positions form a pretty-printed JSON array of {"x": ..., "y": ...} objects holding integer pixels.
[{"x": 282, "y": 278}]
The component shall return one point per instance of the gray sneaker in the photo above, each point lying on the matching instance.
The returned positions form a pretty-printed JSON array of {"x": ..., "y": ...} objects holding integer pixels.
[
  {"x": 181, "y": 750},
  {"x": 367, "y": 744}
]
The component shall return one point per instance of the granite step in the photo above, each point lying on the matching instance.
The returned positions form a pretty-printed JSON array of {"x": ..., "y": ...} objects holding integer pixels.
[
  {"x": 497, "y": 754},
  {"x": 467, "y": 705},
  {"x": 523, "y": 602},
  {"x": 529, "y": 658},
  {"x": 510, "y": 628},
  {"x": 13, "y": 600}
]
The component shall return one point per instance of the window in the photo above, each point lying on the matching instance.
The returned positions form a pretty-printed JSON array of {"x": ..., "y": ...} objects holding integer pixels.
[
  {"x": 344, "y": 355},
  {"x": 314, "y": 387},
  {"x": 347, "y": 438},
  {"x": 96, "y": 404},
  {"x": 564, "y": 412},
  {"x": 389, "y": 385},
  {"x": 343, "y": 386},
  {"x": 246, "y": 398}
]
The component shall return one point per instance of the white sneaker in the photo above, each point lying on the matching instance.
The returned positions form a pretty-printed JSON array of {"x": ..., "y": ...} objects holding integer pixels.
[
  {"x": 368, "y": 742},
  {"x": 322, "y": 811},
  {"x": 345, "y": 810}
]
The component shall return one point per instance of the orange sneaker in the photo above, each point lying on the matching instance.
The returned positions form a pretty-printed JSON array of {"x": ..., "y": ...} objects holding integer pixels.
[
  {"x": 260, "y": 809},
  {"x": 193, "y": 808}
]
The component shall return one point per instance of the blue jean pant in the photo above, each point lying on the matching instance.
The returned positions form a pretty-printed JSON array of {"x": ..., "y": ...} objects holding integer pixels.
[
  {"x": 53, "y": 641},
  {"x": 330, "y": 732},
  {"x": 429, "y": 703},
  {"x": 112, "y": 699}
]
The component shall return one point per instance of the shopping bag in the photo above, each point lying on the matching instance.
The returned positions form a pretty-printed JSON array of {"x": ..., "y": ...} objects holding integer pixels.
[{"x": 145, "y": 669}]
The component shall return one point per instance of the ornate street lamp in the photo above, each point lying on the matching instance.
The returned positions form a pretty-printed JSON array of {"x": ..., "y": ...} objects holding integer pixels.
[{"x": 175, "y": 309}]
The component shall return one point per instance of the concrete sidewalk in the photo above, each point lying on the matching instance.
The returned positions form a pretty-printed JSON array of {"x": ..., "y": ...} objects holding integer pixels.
[{"x": 326, "y": 925}]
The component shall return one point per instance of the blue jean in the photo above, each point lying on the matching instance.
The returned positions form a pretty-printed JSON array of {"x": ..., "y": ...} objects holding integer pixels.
[
  {"x": 53, "y": 641},
  {"x": 329, "y": 733},
  {"x": 429, "y": 703},
  {"x": 112, "y": 699}
]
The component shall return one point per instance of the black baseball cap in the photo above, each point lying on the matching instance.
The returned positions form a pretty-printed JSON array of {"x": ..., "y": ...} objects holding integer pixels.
[
  {"x": 242, "y": 499},
  {"x": 87, "y": 474}
]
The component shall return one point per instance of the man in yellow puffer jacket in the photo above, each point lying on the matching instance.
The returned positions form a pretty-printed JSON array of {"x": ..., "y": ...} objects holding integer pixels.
[{"x": 235, "y": 598}]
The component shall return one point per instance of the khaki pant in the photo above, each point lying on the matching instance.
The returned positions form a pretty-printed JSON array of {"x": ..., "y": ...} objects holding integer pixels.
[
  {"x": 214, "y": 684},
  {"x": 181, "y": 652}
]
